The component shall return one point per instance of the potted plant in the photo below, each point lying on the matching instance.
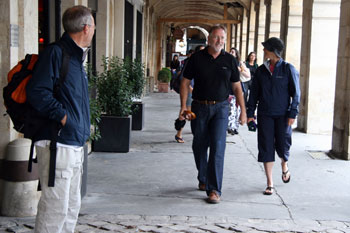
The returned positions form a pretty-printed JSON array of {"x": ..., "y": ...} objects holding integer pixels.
[
  {"x": 164, "y": 77},
  {"x": 114, "y": 98},
  {"x": 136, "y": 77}
]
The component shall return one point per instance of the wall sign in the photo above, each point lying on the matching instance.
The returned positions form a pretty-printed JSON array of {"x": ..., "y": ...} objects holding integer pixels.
[{"x": 14, "y": 35}]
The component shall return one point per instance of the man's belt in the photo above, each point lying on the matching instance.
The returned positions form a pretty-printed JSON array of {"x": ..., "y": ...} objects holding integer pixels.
[{"x": 207, "y": 102}]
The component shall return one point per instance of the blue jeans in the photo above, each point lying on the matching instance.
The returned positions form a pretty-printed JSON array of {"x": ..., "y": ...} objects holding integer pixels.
[{"x": 209, "y": 130}]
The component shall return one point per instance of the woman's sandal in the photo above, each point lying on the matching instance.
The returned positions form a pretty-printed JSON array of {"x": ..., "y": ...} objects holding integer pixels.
[
  {"x": 268, "y": 190},
  {"x": 284, "y": 176},
  {"x": 178, "y": 139}
]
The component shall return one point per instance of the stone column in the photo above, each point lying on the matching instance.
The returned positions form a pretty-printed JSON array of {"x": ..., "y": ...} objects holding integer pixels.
[
  {"x": 275, "y": 23},
  {"x": 109, "y": 30},
  {"x": 318, "y": 65},
  {"x": 292, "y": 34},
  {"x": 340, "y": 136},
  {"x": 256, "y": 33},
  {"x": 239, "y": 34},
  {"x": 261, "y": 32},
  {"x": 234, "y": 35},
  {"x": 19, "y": 35},
  {"x": 146, "y": 31},
  {"x": 243, "y": 47},
  {"x": 134, "y": 46},
  {"x": 118, "y": 28},
  {"x": 147, "y": 46},
  {"x": 102, "y": 34},
  {"x": 267, "y": 4},
  {"x": 251, "y": 29}
]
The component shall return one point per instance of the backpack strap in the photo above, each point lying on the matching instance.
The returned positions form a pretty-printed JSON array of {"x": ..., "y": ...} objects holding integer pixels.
[
  {"x": 56, "y": 127},
  {"x": 64, "y": 67}
]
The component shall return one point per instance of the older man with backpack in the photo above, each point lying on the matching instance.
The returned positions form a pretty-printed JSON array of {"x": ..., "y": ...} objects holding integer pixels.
[{"x": 66, "y": 105}]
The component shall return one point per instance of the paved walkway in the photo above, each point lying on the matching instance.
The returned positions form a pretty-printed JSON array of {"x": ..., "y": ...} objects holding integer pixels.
[{"x": 153, "y": 188}]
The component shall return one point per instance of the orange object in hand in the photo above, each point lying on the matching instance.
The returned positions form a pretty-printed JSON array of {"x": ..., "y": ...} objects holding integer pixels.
[{"x": 189, "y": 115}]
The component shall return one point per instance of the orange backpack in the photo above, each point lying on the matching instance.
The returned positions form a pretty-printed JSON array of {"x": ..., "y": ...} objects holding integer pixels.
[
  {"x": 25, "y": 118},
  {"x": 15, "y": 92}
]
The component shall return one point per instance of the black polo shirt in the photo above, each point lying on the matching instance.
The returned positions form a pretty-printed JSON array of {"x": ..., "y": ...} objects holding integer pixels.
[{"x": 212, "y": 77}]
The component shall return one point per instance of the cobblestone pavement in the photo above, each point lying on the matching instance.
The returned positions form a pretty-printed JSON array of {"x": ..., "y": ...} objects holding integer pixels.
[{"x": 188, "y": 224}]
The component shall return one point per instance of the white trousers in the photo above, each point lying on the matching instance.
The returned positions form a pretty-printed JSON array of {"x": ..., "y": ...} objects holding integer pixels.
[{"x": 59, "y": 206}]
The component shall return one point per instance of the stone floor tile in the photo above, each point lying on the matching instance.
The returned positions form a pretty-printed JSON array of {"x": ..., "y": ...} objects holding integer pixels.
[
  {"x": 333, "y": 224},
  {"x": 178, "y": 218},
  {"x": 128, "y": 217},
  {"x": 196, "y": 219},
  {"x": 161, "y": 219},
  {"x": 334, "y": 231},
  {"x": 147, "y": 228},
  {"x": 113, "y": 227},
  {"x": 82, "y": 228},
  {"x": 214, "y": 229},
  {"x": 130, "y": 224},
  {"x": 224, "y": 225},
  {"x": 97, "y": 224},
  {"x": 256, "y": 231},
  {"x": 179, "y": 227},
  {"x": 7, "y": 224},
  {"x": 273, "y": 225},
  {"x": 215, "y": 219},
  {"x": 94, "y": 230},
  {"x": 240, "y": 228},
  {"x": 18, "y": 229},
  {"x": 29, "y": 225},
  {"x": 194, "y": 230}
]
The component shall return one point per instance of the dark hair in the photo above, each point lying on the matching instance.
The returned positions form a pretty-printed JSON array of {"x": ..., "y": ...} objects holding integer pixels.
[
  {"x": 190, "y": 51},
  {"x": 275, "y": 45},
  {"x": 238, "y": 56},
  {"x": 75, "y": 18},
  {"x": 247, "y": 60}
]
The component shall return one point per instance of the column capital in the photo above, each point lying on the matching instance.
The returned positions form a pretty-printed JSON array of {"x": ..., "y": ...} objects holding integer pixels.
[
  {"x": 267, "y": 2},
  {"x": 256, "y": 6}
]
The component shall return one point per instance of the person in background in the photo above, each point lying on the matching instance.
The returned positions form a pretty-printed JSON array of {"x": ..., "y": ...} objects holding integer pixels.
[
  {"x": 175, "y": 65},
  {"x": 235, "y": 110},
  {"x": 59, "y": 206},
  {"x": 252, "y": 65},
  {"x": 275, "y": 92},
  {"x": 244, "y": 73},
  {"x": 214, "y": 72},
  {"x": 190, "y": 90},
  {"x": 178, "y": 136}
]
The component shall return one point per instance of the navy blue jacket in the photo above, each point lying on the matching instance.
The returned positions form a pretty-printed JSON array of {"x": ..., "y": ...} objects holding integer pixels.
[
  {"x": 72, "y": 99},
  {"x": 276, "y": 94}
]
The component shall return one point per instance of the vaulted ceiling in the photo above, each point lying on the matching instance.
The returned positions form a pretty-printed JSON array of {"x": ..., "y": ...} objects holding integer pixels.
[{"x": 198, "y": 9}]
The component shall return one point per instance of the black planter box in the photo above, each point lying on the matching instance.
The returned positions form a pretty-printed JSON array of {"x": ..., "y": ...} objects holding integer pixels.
[
  {"x": 137, "y": 116},
  {"x": 115, "y": 134}
]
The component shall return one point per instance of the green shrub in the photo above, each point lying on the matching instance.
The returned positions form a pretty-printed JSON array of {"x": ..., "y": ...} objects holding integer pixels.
[
  {"x": 135, "y": 72},
  {"x": 114, "y": 92},
  {"x": 164, "y": 75}
]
